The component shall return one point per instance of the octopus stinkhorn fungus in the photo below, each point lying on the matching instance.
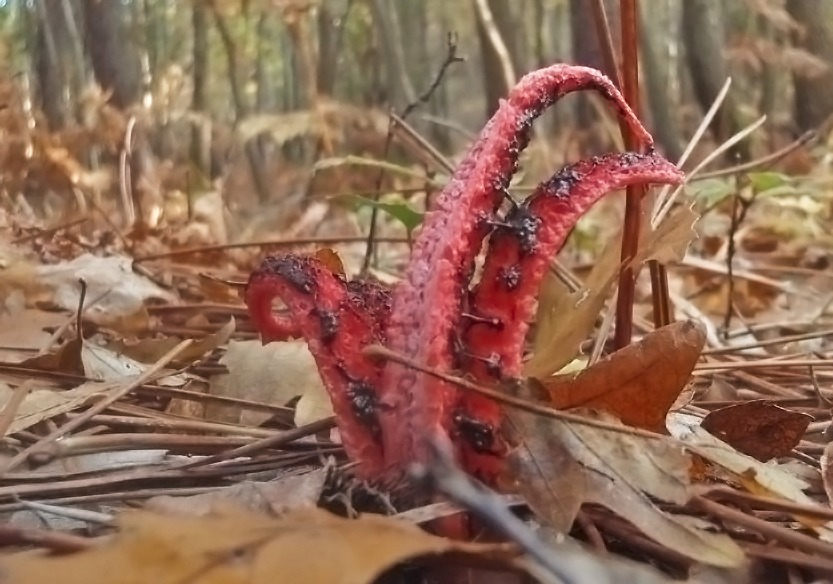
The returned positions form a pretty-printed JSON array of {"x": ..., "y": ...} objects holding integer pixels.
[{"x": 435, "y": 316}]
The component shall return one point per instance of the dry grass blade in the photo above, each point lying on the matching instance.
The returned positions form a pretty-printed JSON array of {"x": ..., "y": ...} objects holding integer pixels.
[
  {"x": 826, "y": 464},
  {"x": 718, "y": 152},
  {"x": 12, "y": 406},
  {"x": 665, "y": 202}
]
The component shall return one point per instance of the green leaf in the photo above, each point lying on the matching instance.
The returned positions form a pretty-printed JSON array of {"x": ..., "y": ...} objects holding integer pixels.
[
  {"x": 399, "y": 210},
  {"x": 711, "y": 191},
  {"x": 768, "y": 180}
]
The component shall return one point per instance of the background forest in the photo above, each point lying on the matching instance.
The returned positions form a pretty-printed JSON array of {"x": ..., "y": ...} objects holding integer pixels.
[{"x": 255, "y": 92}]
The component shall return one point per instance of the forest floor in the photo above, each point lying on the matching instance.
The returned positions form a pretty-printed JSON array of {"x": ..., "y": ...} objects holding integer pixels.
[{"x": 149, "y": 434}]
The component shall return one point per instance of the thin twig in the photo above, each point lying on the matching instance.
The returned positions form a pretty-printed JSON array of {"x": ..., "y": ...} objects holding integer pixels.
[
  {"x": 450, "y": 58},
  {"x": 263, "y": 444},
  {"x": 806, "y": 138},
  {"x": 266, "y": 243},
  {"x": 740, "y": 207},
  {"x": 522, "y": 404},
  {"x": 151, "y": 373}
]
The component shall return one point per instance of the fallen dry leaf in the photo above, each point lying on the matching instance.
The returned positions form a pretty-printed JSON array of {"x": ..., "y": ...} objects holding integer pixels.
[
  {"x": 668, "y": 242},
  {"x": 285, "y": 493},
  {"x": 44, "y": 404},
  {"x": 612, "y": 569},
  {"x": 330, "y": 258},
  {"x": 102, "y": 364},
  {"x": 24, "y": 332},
  {"x": 236, "y": 547},
  {"x": 65, "y": 359},
  {"x": 759, "y": 428},
  {"x": 205, "y": 345},
  {"x": 150, "y": 350},
  {"x": 113, "y": 289},
  {"x": 274, "y": 374},
  {"x": 757, "y": 477},
  {"x": 19, "y": 279},
  {"x": 637, "y": 384},
  {"x": 564, "y": 319},
  {"x": 314, "y": 405},
  {"x": 559, "y": 466}
]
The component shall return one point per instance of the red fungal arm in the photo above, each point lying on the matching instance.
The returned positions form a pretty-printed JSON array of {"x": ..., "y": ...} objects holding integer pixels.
[
  {"x": 427, "y": 304},
  {"x": 520, "y": 251},
  {"x": 519, "y": 255},
  {"x": 337, "y": 319}
]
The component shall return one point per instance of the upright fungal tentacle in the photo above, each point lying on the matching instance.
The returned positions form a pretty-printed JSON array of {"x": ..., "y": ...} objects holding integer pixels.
[
  {"x": 427, "y": 304},
  {"x": 338, "y": 319},
  {"x": 519, "y": 255}
]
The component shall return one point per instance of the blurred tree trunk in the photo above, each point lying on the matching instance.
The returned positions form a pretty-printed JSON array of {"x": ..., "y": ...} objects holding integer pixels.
[
  {"x": 703, "y": 37},
  {"x": 814, "y": 95},
  {"x": 328, "y": 32},
  {"x": 441, "y": 99},
  {"x": 587, "y": 50},
  {"x": 539, "y": 49},
  {"x": 418, "y": 58},
  {"x": 557, "y": 47},
  {"x": 298, "y": 26},
  {"x": 113, "y": 53},
  {"x": 241, "y": 105},
  {"x": 53, "y": 63},
  {"x": 400, "y": 89},
  {"x": 656, "y": 67},
  {"x": 59, "y": 59},
  {"x": 496, "y": 28},
  {"x": 201, "y": 129},
  {"x": 265, "y": 96},
  {"x": 769, "y": 78},
  {"x": 423, "y": 60}
]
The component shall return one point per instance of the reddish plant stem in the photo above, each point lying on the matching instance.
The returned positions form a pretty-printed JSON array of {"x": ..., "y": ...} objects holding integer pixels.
[
  {"x": 519, "y": 254},
  {"x": 337, "y": 319},
  {"x": 427, "y": 304},
  {"x": 633, "y": 201}
]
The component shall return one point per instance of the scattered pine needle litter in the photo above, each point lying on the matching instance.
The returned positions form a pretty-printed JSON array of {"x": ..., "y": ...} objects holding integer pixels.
[{"x": 699, "y": 453}]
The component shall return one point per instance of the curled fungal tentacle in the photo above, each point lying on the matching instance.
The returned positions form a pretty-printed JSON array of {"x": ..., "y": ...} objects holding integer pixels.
[
  {"x": 427, "y": 304},
  {"x": 525, "y": 253},
  {"x": 272, "y": 326},
  {"x": 337, "y": 319}
]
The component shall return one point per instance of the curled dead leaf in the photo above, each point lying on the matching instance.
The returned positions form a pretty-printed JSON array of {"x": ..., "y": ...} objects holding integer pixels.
[{"x": 639, "y": 383}]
